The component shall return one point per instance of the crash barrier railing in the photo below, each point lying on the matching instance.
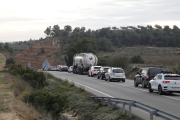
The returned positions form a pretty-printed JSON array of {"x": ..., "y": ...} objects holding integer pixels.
[{"x": 150, "y": 110}]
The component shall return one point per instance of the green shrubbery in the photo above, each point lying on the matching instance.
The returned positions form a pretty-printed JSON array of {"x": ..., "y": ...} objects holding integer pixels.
[
  {"x": 36, "y": 79},
  {"x": 137, "y": 59},
  {"x": 118, "y": 61},
  {"x": 54, "y": 104},
  {"x": 10, "y": 61}
]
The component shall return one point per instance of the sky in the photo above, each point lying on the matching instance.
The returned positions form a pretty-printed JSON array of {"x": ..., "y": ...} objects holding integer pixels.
[{"x": 22, "y": 20}]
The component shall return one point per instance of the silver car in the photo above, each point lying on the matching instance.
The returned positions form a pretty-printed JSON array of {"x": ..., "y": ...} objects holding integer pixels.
[
  {"x": 70, "y": 69},
  {"x": 115, "y": 74}
]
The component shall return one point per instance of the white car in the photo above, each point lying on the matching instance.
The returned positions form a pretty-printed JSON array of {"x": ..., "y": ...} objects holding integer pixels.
[
  {"x": 115, "y": 74},
  {"x": 93, "y": 70},
  {"x": 165, "y": 82},
  {"x": 70, "y": 69}
]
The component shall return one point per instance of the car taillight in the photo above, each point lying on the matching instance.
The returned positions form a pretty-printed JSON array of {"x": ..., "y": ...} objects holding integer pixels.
[
  {"x": 112, "y": 73},
  {"x": 147, "y": 77},
  {"x": 166, "y": 81},
  {"x": 104, "y": 71},
  {"x": 62, "y": 68},
  {"x": 94, "y": 70}
]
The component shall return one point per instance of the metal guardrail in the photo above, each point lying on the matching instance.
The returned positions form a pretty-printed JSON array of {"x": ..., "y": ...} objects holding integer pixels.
[{"x": 150, "y": 110}]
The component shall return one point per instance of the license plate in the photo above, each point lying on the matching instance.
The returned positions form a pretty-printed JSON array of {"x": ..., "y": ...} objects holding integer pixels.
[{"x": 175, "y": 87}]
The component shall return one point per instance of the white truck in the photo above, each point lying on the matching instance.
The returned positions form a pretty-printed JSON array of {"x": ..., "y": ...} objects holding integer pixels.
[{"x": 83, "y": 61}]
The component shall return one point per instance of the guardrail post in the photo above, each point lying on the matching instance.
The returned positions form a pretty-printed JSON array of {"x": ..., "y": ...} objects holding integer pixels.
[
  {"x": 152, "y": 112},
  {"x": 108, "y": 102},
  {"x": 123, "y": 111},
  {"x": 130, "y": 104}
]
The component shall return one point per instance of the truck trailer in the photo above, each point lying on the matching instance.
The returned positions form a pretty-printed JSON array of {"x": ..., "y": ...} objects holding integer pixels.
[{"x": 83, "y": 61}]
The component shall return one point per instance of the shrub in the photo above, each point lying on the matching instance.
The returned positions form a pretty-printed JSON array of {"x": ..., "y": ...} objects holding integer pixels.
[
  {"x": 49, "y": 102},
  {"x": 137, "y": 59},
  {"x": 36, "y": 79},
  {"x": 118, "y": 61},
  {"x": 10, "y": 61}
]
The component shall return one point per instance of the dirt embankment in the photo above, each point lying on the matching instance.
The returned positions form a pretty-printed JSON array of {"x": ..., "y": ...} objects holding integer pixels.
[{"x": 37, "y": 53}]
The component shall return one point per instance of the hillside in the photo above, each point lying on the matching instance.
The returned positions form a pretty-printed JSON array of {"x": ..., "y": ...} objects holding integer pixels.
[{"x": 37, "y": 53}]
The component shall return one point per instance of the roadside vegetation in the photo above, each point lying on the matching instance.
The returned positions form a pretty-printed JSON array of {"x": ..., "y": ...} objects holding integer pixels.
[{"x": 54, "y": 99}]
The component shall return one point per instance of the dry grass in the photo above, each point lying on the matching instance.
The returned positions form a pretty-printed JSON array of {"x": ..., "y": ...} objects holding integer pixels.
[
  {"x": 12, "y": 106},
  {"x": 2, "y": 61}
]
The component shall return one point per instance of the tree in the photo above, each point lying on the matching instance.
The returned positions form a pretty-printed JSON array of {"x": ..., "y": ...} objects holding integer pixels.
[
  {"x": 79, "y": 46},
  {"x": 48, "y": 30},
  {"x": 56, "y": 30}
]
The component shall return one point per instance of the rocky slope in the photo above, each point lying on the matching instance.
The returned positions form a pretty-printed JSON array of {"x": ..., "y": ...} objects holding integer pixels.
[{"x": 37, "y": 53}]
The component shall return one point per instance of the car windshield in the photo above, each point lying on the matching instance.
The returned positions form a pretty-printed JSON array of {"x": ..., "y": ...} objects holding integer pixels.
[
  {"x": 154, "y": 71},
  {"x": 172, "y": 77},
  {"x": 64, "y": 66},
  {"x": 118, "y": 71},
  {"x": 106, "y": 69},
  {"x": 97, "y": 68}
]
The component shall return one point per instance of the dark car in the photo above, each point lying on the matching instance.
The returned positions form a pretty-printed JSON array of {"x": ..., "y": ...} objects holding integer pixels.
[
  {"x": 145, "y": 75},
  {"x": 63, "y": 68},
  {"x": 101, "y": 72}
]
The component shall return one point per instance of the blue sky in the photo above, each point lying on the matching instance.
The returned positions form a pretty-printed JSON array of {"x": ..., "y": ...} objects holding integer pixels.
[{"x": 22, "y": 20}]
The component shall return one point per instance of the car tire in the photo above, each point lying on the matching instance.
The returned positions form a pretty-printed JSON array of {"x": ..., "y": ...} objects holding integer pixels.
[
  {"x": 88, "y": 75},
  {"x": 160, "y": 92},
  {"x": 105, "y": 78},
  {"x": 143, "y": 84},
  {"x": 91, "y": 75},
  {"x": 101, "y": 77},
  {"x": 135, "y": 83},
  {"x": 109, "y": 80},
  {"x": 150, "y": 89},
  {"x": 97, "y": 76}
]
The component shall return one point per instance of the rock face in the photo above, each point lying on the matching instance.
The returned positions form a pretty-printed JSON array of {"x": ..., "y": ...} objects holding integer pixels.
[{"x": 37, "y": 53}]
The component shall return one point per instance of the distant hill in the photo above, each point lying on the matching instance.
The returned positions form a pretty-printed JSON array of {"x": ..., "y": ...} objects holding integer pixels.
[{"x": 37, "y": 53}]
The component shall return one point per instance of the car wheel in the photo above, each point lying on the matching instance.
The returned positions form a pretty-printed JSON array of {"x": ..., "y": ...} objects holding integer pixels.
[
  {"x": 88, "y": 75},
  {"x": 135, "y": 83},
  {"x": 150, "y": 89},
  {"x": 160, "y": 90},
  {"x": 109, "y": 80},
  {"x": 101, "y": 77},
  {"x": 97, "y": 76},
  {"x": 123, "y": 80},
  {"x": 143, "y": 84},
  {"x": 105, "y": 78},
  {"x": 91, "y": 75}
]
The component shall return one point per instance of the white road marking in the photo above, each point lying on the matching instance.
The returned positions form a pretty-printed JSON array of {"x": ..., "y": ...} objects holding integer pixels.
[
  {"x": 88, "y": 87},
  {"x": 120, "y": 85}
]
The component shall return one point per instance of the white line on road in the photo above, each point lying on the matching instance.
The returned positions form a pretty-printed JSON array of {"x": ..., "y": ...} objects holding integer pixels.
[{"x": 87, "y": 87}]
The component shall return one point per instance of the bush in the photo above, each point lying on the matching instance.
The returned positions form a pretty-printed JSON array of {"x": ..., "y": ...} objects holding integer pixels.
[
  {"x": 118, "y": 61},
  {"x": 137, "y": 59},
  {"x": 49, "y": 102},
  {"x": 36, "y": 79},
  {"x": 10, "y": 61}
]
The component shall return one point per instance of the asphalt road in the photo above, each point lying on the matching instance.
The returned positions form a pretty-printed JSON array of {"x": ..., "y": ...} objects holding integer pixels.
[{"x": 169, "y": 103}]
